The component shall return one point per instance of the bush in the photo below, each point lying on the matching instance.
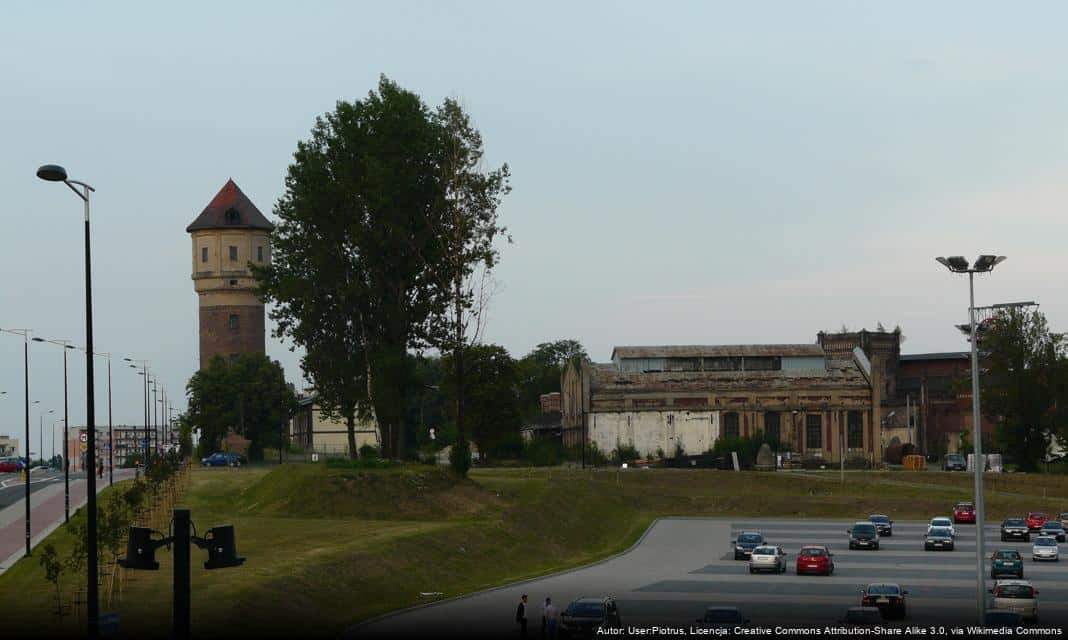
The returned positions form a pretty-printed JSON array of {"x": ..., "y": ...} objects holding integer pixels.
[
  {"x": 625, "y": 453},
  {"x": 360, "y": 463},
  {"x": 747, "y": 447},
  {"x": 680, "y": 451},
  {"x": 543, "y": 453},
  {"x": 368, "y": 451},
  {"x": 460, "y": 458}
]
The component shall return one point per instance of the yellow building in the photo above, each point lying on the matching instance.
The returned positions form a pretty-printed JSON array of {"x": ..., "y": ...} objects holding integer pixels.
[{"x": 310, "y": 430}]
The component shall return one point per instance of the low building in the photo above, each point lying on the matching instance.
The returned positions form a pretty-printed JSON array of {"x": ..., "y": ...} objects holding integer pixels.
[
  {"x": 313, "y": 432},
  {"x": 549, "y": 402},
  {"x": 9, "y": 446},
  {"x": 663, "y": 398}
]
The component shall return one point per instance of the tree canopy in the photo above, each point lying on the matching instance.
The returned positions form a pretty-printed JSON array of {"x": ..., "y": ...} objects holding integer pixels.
[
  {"x": 539, "y": 371},
  {"x": 491, "y": 403},
  {"x": 248, "y": 395}
]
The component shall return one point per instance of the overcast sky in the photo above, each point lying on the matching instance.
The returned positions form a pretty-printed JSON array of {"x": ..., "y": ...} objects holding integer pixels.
[{"x": 683, "y": 172}]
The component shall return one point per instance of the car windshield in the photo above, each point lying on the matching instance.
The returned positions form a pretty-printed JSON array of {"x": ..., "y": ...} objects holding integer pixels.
[
  {"x": 722, "y": 615},
  {"x": 883, "y": 589},
  {"x": 1015, "y": 522},
  {"x": 750, "y": 538},
  {"x": 1045, "y": 542},
  {"x": 764, "y": 551},
  {"x": 879, "y": 519},
  {"x": 1008, "y": 555},
  {"x": 585, "y": 609},
  {"x": 1016, "y": 591},
  {"x": 817, "y": 553},
  {"x": 864, "y": 528},
  {"x": 939, "y": 532}
]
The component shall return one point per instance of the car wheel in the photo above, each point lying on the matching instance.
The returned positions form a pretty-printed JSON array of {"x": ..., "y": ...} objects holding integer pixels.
[
  {"x": 736, "y": 556},
  {"x": 751, "y": 571}
]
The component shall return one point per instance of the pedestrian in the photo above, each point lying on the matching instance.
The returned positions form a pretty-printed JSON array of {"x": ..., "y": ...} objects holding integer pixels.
[
  {"x": 521, "y": 616},
  {"x": 100, "y": 470},
  {"x": 550, "y": 618},
  {"x": 544, "y": 619}
]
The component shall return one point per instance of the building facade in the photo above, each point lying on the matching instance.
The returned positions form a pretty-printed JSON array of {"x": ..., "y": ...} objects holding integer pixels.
[
  {"x": 228, "y": 237},
  {"x": 671, "y": 398},
  {"x": 310, "y": 430},
  {"x": 9, "y": 446}
]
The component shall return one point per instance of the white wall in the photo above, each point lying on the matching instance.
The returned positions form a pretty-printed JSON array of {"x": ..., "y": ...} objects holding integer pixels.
[{"x": 650, "y": 430}]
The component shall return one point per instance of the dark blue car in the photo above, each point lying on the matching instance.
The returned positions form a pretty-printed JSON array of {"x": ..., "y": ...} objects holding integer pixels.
[{"x": 220, "y": 459}]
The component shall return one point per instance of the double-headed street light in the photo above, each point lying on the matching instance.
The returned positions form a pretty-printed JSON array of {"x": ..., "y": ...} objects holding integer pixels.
[
  {"x": 66, "y": 426},
  {"x": 982, "y": 264},
  {"x": 143, "y": 372},
  {"x": 25, "y": 333},
  {"x": 56, "y": 173}
]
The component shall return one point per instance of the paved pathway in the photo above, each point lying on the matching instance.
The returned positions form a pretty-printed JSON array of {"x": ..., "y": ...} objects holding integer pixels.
[{"x": 46, "y": 504}]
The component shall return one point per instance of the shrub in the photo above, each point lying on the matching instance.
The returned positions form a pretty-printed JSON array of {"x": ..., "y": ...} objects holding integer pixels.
[
  {"x": 543, "y": 453},
  {"x": 360, "y": 463},
  {"x": 680, "y": 451},
  {"x": 660, "y": 452},
  {"x": 368, "y": 451},
  {"x": 625, "y": 453},
  {"x": 460, "y": 458}
]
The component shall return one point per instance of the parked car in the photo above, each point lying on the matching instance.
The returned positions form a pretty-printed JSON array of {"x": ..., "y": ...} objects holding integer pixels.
[
  {"x": 1045, "y": 548},
  {"x": 1018, "y": 596},
  {"x": 722, "y": 618},
  {"x": 964, "y": 512},
  {"x": 584, "y": 616},
  {"x": 1053, "y": 528},
  {"x": 1006, "y": 562},
  {"x": 746, "y": 542},
  {"x": 883, "y": 524},
  {"x": 815, "y": 559},
  {"x": 1063, "y": 519},
  {"x": 767, "y": 558},
  {"x": 862, "y": 617},
  {"x": 888, "y": 597},
  {"x": 220, "y": 459},
  {"x": 1002, "y": 618},
  {"x": 1015, "y": 529},
  {"x": 938, "y": 539},
  {"x": 1035, "y": 520},
  {"x": 11, "y": 465},
  {"x": 944, "y": 523},
  {"x": 954, "y": 462}
]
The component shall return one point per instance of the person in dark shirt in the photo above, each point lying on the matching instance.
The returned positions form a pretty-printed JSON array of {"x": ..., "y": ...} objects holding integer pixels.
[{"x": 521, "y": 616}]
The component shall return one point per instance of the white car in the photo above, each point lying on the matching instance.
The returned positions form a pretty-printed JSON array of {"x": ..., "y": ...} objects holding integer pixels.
[
  {"x": 1045, "y": 548},
  {"x": 942, "y": 522},
  {"x": 767, "y": 558},
  {"x": 1018, "y": 596}
]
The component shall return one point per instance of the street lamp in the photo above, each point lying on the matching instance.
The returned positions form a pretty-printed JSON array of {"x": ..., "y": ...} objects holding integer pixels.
[
  {"x": 143, "y": 372},
  {"x": 111, "y": 430},
  {"x": 40, "y": 430},
  {"x": 982, "y": 264},
  {"x": 66, "y": 426},
  {"x": 56, "y": 173},
  {"x": 25, "y": 333}
]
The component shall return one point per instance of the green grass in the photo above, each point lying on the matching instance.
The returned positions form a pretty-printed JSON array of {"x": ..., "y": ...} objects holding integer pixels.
[{"x": 328, "y": 547}]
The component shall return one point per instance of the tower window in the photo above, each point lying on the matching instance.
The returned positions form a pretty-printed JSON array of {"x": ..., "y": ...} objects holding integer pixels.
[
  {"x": 233, "y": 252},
  {"x": 259, "y": 254},
  {"x": 234, "y": 321},
  {"x": 232, "y": 216},
  {"x": 203, "y": 254}
]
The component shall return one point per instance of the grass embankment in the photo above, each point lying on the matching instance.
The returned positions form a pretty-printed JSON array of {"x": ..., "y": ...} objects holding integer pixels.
[{"x": 329, "y": 547}]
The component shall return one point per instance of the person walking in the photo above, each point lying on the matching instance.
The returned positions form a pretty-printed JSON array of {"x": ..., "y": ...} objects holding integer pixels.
[
  {"x": 550, "y": 617},
  {"x": 100, "y": 470},
  {"x": 521, "y": 616}
]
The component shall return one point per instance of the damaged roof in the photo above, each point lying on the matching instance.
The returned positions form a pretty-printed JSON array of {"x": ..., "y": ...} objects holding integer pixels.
[
  {"x": 713, "y": 351},
  {"x": 839, "y": 374},
  {"x": 230, "y": 209}
]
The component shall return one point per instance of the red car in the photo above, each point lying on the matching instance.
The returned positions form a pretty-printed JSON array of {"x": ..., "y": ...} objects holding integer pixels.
[
  {"x": 815, "y": 559},
  {"x": 1035, "y": 520},
  {"x": 10, "y": 465},
  {"x": 964, "y": 512}
]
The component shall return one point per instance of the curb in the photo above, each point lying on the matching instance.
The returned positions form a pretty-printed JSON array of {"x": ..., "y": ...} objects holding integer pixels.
[{"x": 355, "y": 629}]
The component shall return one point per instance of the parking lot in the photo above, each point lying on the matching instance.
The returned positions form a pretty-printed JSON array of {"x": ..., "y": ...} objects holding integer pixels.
[{"x": 683, "y": 565}]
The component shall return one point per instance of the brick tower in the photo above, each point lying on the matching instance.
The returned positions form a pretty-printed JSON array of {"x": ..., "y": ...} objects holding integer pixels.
[{"x": 228, "y": 236}]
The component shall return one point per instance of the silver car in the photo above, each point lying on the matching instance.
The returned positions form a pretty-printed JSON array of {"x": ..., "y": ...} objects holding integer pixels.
[
  {"x": 768, "y": 558},
  {"x": 1018, "y": 596},
  {"x": 1045, "y": 548}
]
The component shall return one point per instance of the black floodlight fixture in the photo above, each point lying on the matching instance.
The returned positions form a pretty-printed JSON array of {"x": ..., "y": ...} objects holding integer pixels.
[
  {"x": 141, "y": 550},
  {"x": 222, "y": 548},
  {"x": 956, "y": 264},
  {"x": 987, "y": 263},
  {"x": 52, "y": 173}
]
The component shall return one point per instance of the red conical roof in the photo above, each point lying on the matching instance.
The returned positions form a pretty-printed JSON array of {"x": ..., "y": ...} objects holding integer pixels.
[{"x": 230, "y": 209}]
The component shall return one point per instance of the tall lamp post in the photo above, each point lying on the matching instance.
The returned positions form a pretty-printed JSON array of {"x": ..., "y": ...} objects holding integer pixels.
[
  {"x": 144, "y": 373},
  {"x": 25, "y": 333},
  {"x": 56, "y": 173},
  {"x": 66, "y": 426},
  {"x": 40, "y": 431},
  {"x": 982, "y": 264}
]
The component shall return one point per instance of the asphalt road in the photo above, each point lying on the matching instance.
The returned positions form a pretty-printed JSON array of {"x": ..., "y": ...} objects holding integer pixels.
[
  {"x": 684, "y": 565},
  {"x": 13, "y": 487}
]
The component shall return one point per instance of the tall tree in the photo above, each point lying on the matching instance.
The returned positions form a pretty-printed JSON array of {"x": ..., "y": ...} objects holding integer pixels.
[
  {"x": 491, "y": 403},
  {"x": 357, "y": 259},
  {"x": 469, "y": 228},
  {"x": 1024, "y": 378},
  {"x": 247, "y": 395},
  {"x": 540, "y": 371}
]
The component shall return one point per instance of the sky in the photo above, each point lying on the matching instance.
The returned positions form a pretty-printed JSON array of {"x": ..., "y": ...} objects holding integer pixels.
[{"x": 683, "y": 172}]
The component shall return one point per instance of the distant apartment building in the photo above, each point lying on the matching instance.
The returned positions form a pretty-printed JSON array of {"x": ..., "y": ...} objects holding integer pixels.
[{"x": 129, "y": 440}]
